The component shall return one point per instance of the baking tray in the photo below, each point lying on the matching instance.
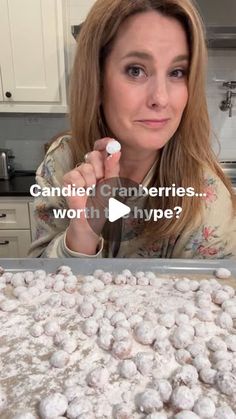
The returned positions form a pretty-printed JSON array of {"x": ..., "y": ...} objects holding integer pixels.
[{"x": 88, "y": 265}]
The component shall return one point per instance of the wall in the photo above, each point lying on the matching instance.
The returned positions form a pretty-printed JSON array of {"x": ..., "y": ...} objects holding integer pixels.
[
  {"x": 222, "y": 65},
  {"x": 26, "y": 134}
]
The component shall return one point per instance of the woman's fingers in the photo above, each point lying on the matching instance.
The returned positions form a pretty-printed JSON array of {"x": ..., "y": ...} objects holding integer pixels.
[
  {"x": 82, "y": 176},
  {"x": 112, "y": 165},
  {"x": 74, "y": 177},
  {"x": 96, "y": 160}
]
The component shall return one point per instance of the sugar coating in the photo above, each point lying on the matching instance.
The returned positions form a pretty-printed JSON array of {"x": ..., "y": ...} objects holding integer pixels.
[
  {"x": 182, "y": 336},
  {"x": 186, "y": 414},
  {"x": 223, "y": 365},
  {"x": 163, "y": 347},
  {"x": 113, "y": 147},
  {"x": 3, "y": 399},
  {"x": 24, "y": 415},
  {"x": 120, "y": 279},
  {"x": 122, "y": 411},
  {"x": 205, "y": 315},
  {"x": 224, "y": 320},
  {"x": 167, "y": 320},
  {"x": 70, "y": 287},
  {"x": 163, "y": 387},
  {"x": 106, "y": 278},
  {"x": 53, "y": 405},
  {"x": 78, "y": 407},
  {"x": 86, "y": 415},
  {"x": 8, "y": 305},
  {"x": 105, "y": 341},
  {"x": 183, "y": 356},
  {"x": 182, "y": 285},
  {"x": 219, "y": 296},
  {"x": 226, "y": 382},
  {"x": 51, "y": 328},
  {"x": 189, "y": 309},
  {"x": 36, "y": 330},
  {"x": 127, "y": 368},
  {"x": 120, "y": 333},
  {"x": 149, "y": 401},
  {"x": 18, "y": 290},
  {"x": 220, "y": 354},
  {"x": 187, "y": 375},
  {"x": 204, "y": 407},
  {"x": 41, "y": 313},
  {"x": 181, "y": 318},
  {"x": 60, "y": 336},
  {"x": 207, "y": 375},
  {"x": 224, "y": 412},
  {"x": 201, "y": 361},
  {"x": 72, "y": 392},
  {"x": 117, "y": 317},
  {"x": 161, "y": 332},
  {"x": 86, "y": 309},
  {"x": 230, "y": 342},
  {"x": 111, "y": 314},
  {"x": 90, "y": 327},
  {"x": 182, "y": 398},
  {"x": 223, "y": 273},
  {"x": 216, "y": 344},
  {"x": 144, "y": 333},
  {"x": 98, "y": 378},
  {"x": 122, "y": 349},
  {"x": 69, "y": 345},
  {"x": 59, "y": 359},
  {"x": 144, "y": 362},
  {"x": 231, "y": 310},
  {"x": 64, "y": 270}
]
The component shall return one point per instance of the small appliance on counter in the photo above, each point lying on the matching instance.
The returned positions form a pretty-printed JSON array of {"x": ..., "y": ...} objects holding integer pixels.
[{"x": 7, "y": 169}]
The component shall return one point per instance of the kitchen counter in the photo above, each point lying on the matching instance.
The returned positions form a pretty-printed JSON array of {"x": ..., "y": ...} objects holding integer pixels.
[{"x": 19, "y": 185}]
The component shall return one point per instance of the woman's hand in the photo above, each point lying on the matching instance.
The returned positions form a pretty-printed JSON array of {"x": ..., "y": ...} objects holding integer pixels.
[{"x": 98, "y": 166}]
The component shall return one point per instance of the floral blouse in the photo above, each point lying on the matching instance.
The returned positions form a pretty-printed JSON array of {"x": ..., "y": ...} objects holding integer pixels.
[{"x": 215, "y": 238}]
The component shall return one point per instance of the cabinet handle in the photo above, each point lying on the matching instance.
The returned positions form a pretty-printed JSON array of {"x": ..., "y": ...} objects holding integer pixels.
[
  {"x": 8, "y": 94},
  {"x": 4, "y": 243},
  {"x": 3, "y": 215}
]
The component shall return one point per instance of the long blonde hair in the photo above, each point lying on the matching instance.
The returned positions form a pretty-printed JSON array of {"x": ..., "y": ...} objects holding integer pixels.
[{"x": 188, "y": 153}]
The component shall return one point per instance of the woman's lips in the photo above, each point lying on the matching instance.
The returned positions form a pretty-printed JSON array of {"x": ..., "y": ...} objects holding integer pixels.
[{"x": 153, "y": 123}]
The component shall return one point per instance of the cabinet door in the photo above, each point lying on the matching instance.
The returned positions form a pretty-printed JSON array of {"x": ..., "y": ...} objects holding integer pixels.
[
  {"x": 14, "y": 215},
  {"x": 29, "y": 57},
  {"x": 14, "y": 243}
]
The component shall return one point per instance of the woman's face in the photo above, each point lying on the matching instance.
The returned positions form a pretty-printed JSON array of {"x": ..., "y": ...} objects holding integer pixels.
[{"x": 145, "y": 81}]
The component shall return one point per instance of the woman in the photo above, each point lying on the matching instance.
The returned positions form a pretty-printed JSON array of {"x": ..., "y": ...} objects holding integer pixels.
[{"x": 139, "y": 77}]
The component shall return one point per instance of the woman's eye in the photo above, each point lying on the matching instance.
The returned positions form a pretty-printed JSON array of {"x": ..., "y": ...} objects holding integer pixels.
[
  {"x": 135, "y": 71},
  {"x": 179, "y": 73}
]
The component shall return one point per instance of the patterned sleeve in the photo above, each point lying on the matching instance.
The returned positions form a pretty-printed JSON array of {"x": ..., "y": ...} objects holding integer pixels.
[
  {"x": 215, "y": 238},
  {"x": 50, "y": 232}
]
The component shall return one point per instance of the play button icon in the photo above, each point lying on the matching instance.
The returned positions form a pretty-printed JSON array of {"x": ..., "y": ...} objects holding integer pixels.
[
  {"x": 114, "y": 209},
  {"x": 117, "y": 209}
]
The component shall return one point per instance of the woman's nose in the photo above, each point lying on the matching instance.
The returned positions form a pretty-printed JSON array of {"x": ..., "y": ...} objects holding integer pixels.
[{"x": 158, "y": 94}]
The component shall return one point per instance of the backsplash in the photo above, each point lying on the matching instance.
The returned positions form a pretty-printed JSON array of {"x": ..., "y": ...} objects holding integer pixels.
[{"x": 26, "y": 134}]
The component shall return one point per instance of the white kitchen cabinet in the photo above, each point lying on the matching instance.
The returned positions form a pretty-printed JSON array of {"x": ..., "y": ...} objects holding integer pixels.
[
  {"x": 14, "y": 243},
  {"x": 32, "y": 56},
  {"x": 15, "y": 227}
]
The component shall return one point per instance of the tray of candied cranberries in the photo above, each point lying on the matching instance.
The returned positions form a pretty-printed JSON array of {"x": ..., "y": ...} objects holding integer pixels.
[{"x": 117, "y": 338}]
